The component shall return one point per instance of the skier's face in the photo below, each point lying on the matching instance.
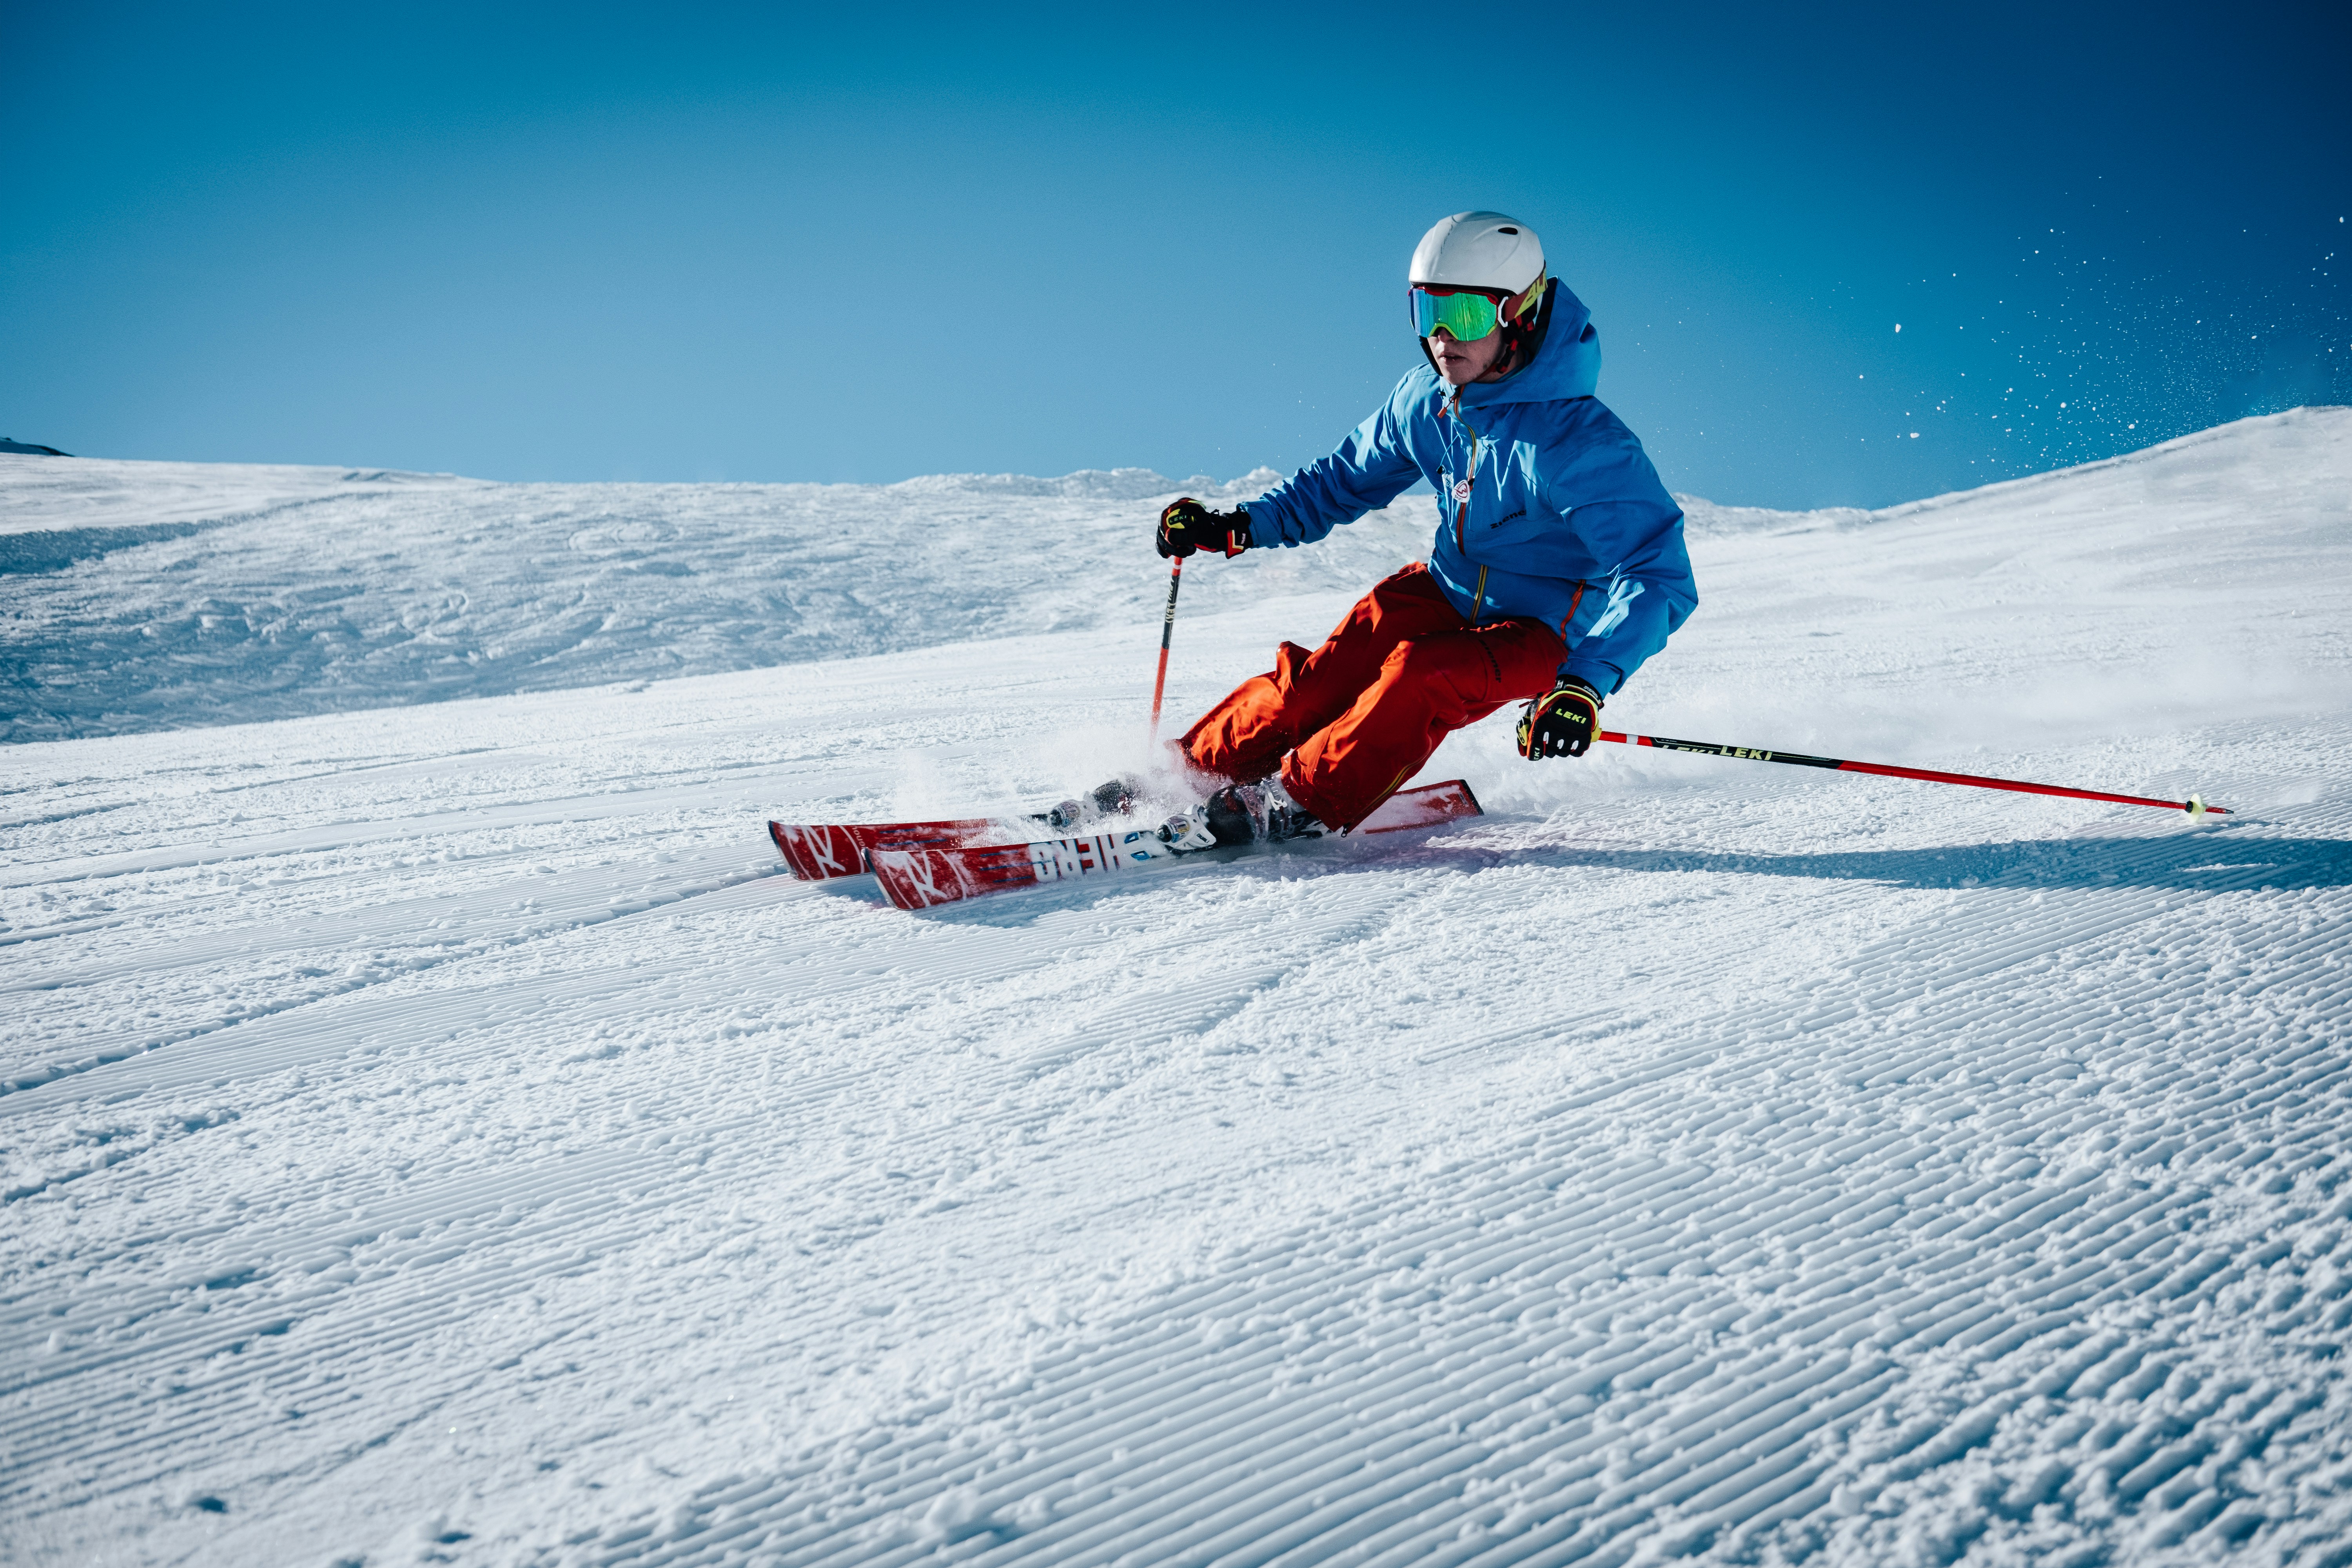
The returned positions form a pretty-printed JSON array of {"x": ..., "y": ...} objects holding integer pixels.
[{"x": 1461, "y": 364}]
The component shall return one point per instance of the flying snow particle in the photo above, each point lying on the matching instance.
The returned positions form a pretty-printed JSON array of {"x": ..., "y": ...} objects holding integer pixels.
[{"x": 1898, "y": 326}]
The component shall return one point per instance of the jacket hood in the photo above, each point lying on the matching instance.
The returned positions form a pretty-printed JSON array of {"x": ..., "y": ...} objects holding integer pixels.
[{"x": 1567, "y": 362}]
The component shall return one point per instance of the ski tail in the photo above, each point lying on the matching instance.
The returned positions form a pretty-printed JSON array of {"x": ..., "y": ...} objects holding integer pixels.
[
  {"x": 1423, "y": 807},
  {"x": 916, "y": 876},
  {"x": 816, "y": 854}
]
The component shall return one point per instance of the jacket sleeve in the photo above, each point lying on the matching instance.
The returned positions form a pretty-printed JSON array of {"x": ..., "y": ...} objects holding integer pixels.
[
  {"x": 1370, "y": 469},
  {"x": 1651, "y": 593}
]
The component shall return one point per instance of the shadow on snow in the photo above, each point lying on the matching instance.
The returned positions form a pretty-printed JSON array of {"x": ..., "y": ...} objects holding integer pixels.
[{"x": 2216, "y": 860}]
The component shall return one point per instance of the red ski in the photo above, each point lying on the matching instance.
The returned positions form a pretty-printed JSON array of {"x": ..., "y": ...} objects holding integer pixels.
[
  {"x": 919, "y": 877},
  {"x": 816, "y": 853}
]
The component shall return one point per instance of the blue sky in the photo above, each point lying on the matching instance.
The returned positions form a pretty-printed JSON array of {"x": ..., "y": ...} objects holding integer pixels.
[{"x": 864, "y": 243}]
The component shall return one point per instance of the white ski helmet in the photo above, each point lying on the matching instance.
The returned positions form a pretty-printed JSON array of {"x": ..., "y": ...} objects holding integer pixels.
[{"x": 1479, "y": 251}]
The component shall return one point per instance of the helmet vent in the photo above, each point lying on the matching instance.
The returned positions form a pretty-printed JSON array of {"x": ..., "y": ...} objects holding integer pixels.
[{"x": 1506, "y": 231}]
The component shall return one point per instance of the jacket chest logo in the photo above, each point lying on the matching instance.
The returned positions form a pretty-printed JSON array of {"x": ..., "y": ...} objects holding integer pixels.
[{"x": 1462, "y": 490}]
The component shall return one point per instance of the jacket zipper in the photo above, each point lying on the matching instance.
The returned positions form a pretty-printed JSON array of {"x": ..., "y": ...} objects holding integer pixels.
[
  {"x": 1469, "y": 477},
  {"x": 1461, "y": 510}
]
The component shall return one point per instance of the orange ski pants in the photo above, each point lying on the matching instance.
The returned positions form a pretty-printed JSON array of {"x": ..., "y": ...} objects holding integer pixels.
[{"x": 1350, "y": 723}]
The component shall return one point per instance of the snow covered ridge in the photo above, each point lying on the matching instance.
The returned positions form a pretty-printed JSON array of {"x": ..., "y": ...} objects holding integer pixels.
[
  {"x": 1093, "y": 484},
  {"x": 440, "y": 1134},
  {"x": 141, "y": 597}
]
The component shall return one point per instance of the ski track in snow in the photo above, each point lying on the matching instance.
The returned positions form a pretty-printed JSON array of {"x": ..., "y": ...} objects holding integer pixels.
[{"x": 444, "y": 1134}]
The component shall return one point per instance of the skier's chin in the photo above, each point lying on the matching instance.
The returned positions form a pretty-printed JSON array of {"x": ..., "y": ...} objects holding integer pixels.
[{"x": 1459, "y": 369}]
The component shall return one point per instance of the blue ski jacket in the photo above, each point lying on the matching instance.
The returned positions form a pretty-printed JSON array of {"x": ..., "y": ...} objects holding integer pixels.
[{"x": 1548, "y": 507}]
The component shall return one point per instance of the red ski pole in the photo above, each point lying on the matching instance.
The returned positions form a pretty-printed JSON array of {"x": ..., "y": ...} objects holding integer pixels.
[
  {"x": 2194, "y": 806},
  {"x": 1167, "y": 630}
]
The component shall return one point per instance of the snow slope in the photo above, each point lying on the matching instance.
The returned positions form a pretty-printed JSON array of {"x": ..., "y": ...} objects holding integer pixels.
[
  {"x": 440, "y": 1134},
  {"x": 155, "y": 595}
]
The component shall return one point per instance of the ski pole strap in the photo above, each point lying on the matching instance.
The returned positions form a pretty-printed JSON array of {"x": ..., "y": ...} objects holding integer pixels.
[{"x": 2193, "y": 805}]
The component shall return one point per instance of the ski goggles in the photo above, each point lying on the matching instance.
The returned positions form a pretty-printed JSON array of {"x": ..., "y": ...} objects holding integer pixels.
[{"x": 1468, "y": 314}]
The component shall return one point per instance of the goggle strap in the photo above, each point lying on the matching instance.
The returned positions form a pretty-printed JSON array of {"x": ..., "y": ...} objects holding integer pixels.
[{"x": 1531, "y": 296}]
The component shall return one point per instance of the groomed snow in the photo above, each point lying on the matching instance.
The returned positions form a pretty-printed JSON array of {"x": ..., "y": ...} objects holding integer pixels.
[{"x": 441, "y": 1133}]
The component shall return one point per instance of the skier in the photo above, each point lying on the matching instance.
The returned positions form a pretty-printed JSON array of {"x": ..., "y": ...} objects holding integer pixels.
[{"x": 1557, "y": 567}]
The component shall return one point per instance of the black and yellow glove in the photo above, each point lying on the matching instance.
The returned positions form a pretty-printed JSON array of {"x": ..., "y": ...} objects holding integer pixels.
[
  {"x": 1185, "y": 526},
  {"x": 1562, "y": 723}
]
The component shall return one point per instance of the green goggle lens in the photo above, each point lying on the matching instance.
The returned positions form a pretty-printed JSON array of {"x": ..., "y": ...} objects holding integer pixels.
[{"x": 1467, "y": 316}]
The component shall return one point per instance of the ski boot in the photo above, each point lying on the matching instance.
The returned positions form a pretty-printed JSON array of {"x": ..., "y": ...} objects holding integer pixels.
[
  {"x": 1260, "y": 812},
  {"x": 1112, "y": 799},
  {"x": 1274, "y": 814}
]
